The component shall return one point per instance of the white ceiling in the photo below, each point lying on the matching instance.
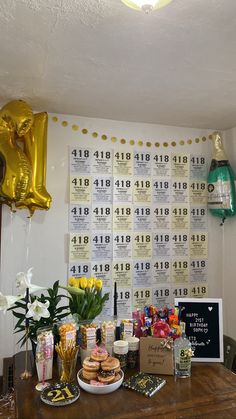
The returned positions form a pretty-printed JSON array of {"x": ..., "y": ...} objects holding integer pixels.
[{"x": 98, "y": 58}]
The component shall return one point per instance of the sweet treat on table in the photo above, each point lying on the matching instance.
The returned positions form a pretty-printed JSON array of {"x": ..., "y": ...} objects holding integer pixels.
[
  {"x": 66, "y": 360},
  {"x": 106, "y": 377},
  {"x": 88, "y": 335},
  {"x": 126, "y": 328},
  {"x": 67, "y": 332},
  {"x": 104, "y": 372},
  {"x": 44, "y": 354},
  {"x": 116, "y": 378},
  {"x": 108, "y": 332},
  {"x": 89, "y": 375},
  {"x": 99, "y": 353},
  {"x": 96, "y": 383},
  {"x": 110, "y": 369},
  {"x": 111, "y": 364},
  {"x": 90, "y": 365},
  {"x": 120, "y": 350}
]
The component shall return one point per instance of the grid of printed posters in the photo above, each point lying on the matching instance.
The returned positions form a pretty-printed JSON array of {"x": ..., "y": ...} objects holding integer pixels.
[{"x": 139, "y": 219}]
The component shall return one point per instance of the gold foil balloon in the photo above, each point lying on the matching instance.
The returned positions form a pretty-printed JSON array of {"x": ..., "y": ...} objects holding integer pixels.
[
  {"x": 16, "y": 118},
  {"x": 23, "y": 146},
  {"x": 35, "y": 145}
]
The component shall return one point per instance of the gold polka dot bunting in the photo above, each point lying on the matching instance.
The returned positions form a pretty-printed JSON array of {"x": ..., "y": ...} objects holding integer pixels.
[{"x": 132, "y": 142}]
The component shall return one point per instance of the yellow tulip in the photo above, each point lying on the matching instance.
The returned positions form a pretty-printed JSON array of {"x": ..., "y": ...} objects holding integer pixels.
[
  {"x": 94, "y": 281},
  {"x": 72, "y": 281},
  {"x": 89, "y": 282},
  {"x": 98, "y": 284},
  {"x": 77, "y": 285},
  {"x": 83, "y": 282}
]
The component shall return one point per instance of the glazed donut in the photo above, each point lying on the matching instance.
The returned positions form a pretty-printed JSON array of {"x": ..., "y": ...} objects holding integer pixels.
[
  {"x": 96, "y": 383},
  {"x": 99, "y": 354},
  {"x": 117, "y": 377},
  {"x": 110, "y": 364},
  {"x": 89, "y": 375},
  {"x": 90, "y": 365},
  {"x": 106, "y": 377}
]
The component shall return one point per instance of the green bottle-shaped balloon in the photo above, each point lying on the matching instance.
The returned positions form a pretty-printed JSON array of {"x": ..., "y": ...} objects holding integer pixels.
[{"x": 221, "y": 182}]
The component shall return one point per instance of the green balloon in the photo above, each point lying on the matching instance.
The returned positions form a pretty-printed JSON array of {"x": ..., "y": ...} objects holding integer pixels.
[{"x": 221, "y": 189}]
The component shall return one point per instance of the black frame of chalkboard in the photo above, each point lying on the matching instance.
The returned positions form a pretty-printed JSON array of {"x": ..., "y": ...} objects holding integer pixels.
[{"x": 208, "y": 301}]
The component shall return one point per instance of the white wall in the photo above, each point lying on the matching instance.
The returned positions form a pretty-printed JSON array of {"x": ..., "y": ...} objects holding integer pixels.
[
  {"x": 41, "y": 242},
  {"x": 229, "y": 248}
]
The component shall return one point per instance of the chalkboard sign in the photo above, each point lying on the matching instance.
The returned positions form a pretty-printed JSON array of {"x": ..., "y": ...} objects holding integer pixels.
[{"x": 204, "y": 328}]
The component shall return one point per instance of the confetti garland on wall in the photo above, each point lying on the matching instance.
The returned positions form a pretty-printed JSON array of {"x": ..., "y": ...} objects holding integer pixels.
[{"x": 131, "y": 142}]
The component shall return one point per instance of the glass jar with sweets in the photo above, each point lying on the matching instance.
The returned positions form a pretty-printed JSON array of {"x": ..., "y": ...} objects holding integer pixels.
[
  {"x": 133, "y": 351},
  {"x": 120, "y": 349}
]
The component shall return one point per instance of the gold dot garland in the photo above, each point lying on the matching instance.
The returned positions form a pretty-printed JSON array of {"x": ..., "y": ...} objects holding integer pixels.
[{"x": 132, "y": 142}]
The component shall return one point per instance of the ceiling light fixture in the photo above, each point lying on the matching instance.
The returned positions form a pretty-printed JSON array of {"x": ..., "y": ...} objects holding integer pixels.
[{"x": 146, "y": 5}]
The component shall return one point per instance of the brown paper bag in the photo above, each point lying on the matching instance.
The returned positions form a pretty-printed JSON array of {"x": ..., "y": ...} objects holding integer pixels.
[{"x": 154, "y": 358}]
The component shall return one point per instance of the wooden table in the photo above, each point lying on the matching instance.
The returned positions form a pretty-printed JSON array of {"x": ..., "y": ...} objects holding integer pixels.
[{"x": 209, "y": 393}]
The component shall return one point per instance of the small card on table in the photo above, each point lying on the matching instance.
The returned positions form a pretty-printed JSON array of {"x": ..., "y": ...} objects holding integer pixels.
[{"x": 146, "y": 384}]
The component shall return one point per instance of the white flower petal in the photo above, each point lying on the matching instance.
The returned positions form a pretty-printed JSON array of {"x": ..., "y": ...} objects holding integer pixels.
[
  {"x": 34, "y": 288},
  {"x": 36, "y": 317},
  {"x": 38, "y": 310},
  {"x": 23, "y": 281},
  {"x": 7, "y": 301},
  {"x": 29, "y": 275}
]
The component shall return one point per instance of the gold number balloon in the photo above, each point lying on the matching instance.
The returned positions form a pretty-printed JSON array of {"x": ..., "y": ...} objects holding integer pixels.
[
  {"x": 23, "y": 146},
  {"x": 35, "y": 145},
  {"x": 15, "y": 119}
]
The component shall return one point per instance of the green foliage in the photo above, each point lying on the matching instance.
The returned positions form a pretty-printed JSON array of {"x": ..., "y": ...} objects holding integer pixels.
[
  {"x": 87, "y": 305},
  {"x": 56, "y": 313}
]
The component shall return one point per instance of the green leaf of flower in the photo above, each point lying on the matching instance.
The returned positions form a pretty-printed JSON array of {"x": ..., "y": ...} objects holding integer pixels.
[{"x": 73, "y": 290}]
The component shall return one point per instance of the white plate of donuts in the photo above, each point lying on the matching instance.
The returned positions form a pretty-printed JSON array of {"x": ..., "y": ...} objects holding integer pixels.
[{"x": 101, "y": 373}]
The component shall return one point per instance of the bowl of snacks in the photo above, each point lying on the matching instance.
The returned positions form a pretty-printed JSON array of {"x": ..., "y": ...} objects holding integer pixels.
[{"x": 101, "y": 373}]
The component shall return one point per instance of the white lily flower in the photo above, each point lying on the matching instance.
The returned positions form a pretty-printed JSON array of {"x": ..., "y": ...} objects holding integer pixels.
[
  {"x": 7, "y": 301},
  {"x": 38, "y": 310},
  {"x": 23, "y": 281}
]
